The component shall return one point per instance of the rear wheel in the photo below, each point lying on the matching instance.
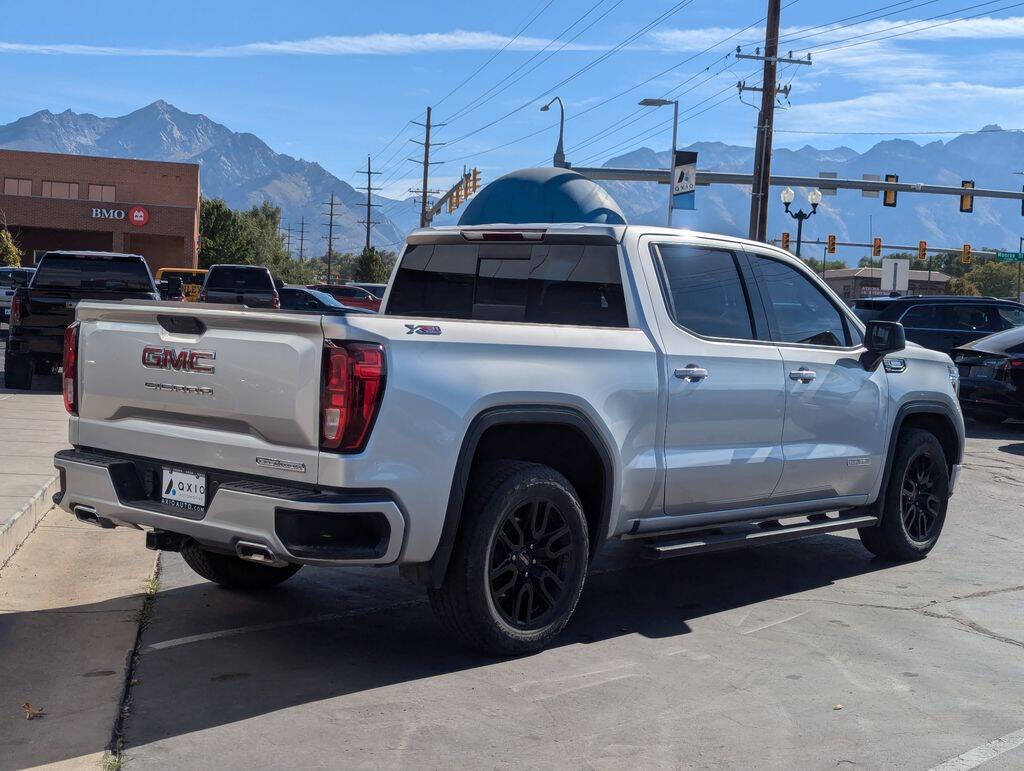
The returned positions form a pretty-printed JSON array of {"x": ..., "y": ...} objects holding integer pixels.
[
  {"x": 233, "y": 572},
  {"x": 519, "y": 562},
  {"x": 914, "y": 508},
  {"x": 18, "y": 371}
]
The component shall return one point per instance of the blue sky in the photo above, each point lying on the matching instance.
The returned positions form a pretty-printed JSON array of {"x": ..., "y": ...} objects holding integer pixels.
[{"x": 333, "y": 81}]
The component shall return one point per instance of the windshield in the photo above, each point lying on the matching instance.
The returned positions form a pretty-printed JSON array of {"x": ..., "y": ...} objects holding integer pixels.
[
  {"x": 72, "y": 271},
  {"x": 239, "y": 278}
]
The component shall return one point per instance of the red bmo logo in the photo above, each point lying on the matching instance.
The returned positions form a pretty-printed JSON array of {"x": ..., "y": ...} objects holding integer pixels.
[{"x": 138, "y": 216}]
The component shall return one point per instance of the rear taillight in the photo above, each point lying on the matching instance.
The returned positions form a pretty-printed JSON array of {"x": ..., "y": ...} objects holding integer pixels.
[
  {"x": 353, "y": 385},
  {"x": 275, "y": 301},
  {"x": 17, "y": 307},
  {"x": 69, "y": 375}
]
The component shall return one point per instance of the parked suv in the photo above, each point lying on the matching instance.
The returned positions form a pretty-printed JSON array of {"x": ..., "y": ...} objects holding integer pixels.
[
  {"x": 528, "y": 393},
  {"x": 249, "y": 285},
  {"x": 943, "y": 323}
]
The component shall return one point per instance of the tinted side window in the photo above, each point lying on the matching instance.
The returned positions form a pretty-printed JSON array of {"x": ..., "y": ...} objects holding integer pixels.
[
  {"x": 704, "y": 292},
  {"x": 802, "y": 312},
  {"x": 1011, "y": 317},
  {"x": 920, "y": 317},
  {"x": 965, "y": 318},
  {"x": 543, "y": 284}
]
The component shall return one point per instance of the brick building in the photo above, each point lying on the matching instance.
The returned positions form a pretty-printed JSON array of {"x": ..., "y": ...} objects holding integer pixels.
[
  {"x": 851, "y": 283},
  {"x": 55, "y": 201}
]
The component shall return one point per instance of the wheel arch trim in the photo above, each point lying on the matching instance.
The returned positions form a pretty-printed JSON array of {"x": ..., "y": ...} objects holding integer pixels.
[{"x": 490, "y": 418}]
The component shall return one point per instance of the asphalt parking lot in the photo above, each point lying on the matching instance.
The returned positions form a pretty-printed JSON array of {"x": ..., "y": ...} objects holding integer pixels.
[{"x": 807, "y": 654}]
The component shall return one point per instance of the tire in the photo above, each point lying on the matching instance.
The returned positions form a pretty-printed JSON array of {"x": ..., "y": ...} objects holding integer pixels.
[
  {"x": 18, "y": 371},
  {"x": 234, "y": 572},
  {"x": 916, "y": 497},
  {"x": 517, "y": 516}
]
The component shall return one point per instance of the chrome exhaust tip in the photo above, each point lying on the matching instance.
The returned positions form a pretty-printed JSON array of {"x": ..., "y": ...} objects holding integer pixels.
[
  {"x": 88, "y": 515},
  {"x": 259, "y": 553}
]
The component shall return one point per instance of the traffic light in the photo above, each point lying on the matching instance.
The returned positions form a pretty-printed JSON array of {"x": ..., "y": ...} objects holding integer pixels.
[
  {"x": 967, "y": 201},
  {"x": 922, "y": 250},
  {"x": 889, "y": 196},
  {"x": 965, "y": 255},
  {"x": 475, "y": 181},
  {"x": 456, "y": 196},
  {"x": 785, "y": 240},
  {"x": 831, "y": 248},
  {"x": 465, "y": 187},
  {"x": 876, "y": 247}
]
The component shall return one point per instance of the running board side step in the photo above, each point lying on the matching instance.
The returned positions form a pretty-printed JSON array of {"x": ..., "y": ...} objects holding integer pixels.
[{"x": 753, "y": 535}]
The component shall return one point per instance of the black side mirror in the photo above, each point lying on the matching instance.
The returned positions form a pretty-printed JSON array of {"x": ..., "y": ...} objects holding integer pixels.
[{"x": 881, "y": 338}]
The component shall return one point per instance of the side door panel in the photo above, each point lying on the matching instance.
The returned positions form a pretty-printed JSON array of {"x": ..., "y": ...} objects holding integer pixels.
[
  {"x": 834, "y": 430},
  {"x": 723, "y": 433}
]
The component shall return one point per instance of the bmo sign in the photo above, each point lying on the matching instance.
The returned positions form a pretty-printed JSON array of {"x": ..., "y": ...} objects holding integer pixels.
[{"x": 136, "y": 215}]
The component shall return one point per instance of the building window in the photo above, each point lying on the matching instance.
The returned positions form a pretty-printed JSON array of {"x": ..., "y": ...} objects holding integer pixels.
[
  {"x": 60, "y": 189},
  {"x": 14, "y": 186},
  {"x": 101, "y": 192}
]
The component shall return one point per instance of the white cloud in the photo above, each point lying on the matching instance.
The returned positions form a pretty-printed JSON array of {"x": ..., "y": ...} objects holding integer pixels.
[
  {"x": 382, "y": 43},
  {"x": 938, "y": 106}
]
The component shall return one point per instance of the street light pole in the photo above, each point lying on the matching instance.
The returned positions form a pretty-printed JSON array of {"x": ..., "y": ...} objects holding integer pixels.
[
  {"x": 1020, "y": 250},
  {"x": 559, "y": 159},
  {"x": 672, "y": 152},
  {"x": 813, "y": 198}
]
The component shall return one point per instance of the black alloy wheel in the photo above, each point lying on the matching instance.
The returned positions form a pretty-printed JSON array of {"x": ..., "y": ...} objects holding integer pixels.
[
  {"x": 920, "y": 504},
  {"x": 531, "y": 560}
]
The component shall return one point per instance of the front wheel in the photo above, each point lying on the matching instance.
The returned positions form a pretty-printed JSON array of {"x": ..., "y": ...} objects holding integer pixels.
[
  {"x": 234, "y": 572},
  {"x": 916, "y": 497},
  {"x": 519, "y": 562}
]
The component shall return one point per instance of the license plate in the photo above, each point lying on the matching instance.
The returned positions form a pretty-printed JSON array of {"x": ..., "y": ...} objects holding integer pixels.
[
  {"x": 982, "y": 372},
  {"x": 184, "y": 489}
]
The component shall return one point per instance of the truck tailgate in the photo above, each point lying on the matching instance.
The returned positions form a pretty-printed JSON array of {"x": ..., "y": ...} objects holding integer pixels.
[{"x": 202, "y": 386}]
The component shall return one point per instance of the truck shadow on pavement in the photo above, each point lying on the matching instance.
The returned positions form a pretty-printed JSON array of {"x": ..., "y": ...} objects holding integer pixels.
[{"x": 333, "y": 634}]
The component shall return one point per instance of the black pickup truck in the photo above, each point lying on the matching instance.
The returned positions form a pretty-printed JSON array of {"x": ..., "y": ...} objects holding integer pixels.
[{"x": 41, "y": 311}]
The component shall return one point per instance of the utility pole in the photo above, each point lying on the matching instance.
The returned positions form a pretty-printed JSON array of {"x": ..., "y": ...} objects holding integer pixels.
[
  {"x": 288, "y": 239},
  {"x": 424, "y": 215},
  {"x": 330, "y": 236},
  {"x": 302, "y": 238},
  {"x": 765, "y": 120},
  {"x": 369, "y": 204}
]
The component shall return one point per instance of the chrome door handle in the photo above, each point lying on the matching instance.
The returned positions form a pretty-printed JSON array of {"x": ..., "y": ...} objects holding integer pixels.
[
  {"x": 691, "y": 373},
  {"x": 803, "y": 374}
]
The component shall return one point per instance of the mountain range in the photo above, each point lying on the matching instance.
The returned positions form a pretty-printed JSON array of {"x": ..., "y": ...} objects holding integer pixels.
[
  {"x": 238, "y": 167},
  {"x": 990, "y": 157},
  {"x": 244, "y": 170}
]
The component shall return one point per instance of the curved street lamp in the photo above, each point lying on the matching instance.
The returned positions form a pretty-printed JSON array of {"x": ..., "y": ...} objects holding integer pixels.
[
  {"x": 813, "y": 198},
  {"x": 559, "y": 159}
]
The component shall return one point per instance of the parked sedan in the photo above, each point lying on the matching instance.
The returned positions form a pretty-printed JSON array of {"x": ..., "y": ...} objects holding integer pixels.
[
  {"x": 300, "y": 298},
  {"x": 992, "y": 376},
  {"x": 350, "y": 295}
]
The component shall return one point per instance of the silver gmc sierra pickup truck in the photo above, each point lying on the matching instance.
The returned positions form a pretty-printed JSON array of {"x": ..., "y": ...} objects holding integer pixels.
[{"x": 525, "y": 394}]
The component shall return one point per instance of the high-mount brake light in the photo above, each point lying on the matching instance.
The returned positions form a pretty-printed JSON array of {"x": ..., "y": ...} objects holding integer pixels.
[
  {"x": 353, "y": 386},
  {"x": 503, "y": 235},
  {"x": 69, "y": 369}
]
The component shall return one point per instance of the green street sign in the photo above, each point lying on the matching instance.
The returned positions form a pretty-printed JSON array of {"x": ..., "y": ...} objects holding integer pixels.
[{"x": 1010, "y": 256}]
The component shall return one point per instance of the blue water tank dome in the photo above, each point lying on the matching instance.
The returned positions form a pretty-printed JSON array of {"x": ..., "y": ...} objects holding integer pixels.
[{"x": 542, "y": 195}]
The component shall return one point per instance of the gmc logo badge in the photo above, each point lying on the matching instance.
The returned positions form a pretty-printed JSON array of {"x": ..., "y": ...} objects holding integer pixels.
[{"x": 186, "y": 360}]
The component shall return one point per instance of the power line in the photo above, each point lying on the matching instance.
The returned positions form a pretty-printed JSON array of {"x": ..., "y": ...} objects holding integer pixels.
[{"x": 495, "y": 55}]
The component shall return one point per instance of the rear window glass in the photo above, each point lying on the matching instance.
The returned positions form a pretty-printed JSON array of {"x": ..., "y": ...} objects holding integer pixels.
[
  {"x": 79, "y": 272},
  {"x": 7, "y": 276},
  {"x": 867, "y": 314},
  {"x": 537, "y": 283},
  {"x": 231, "y": 277}
]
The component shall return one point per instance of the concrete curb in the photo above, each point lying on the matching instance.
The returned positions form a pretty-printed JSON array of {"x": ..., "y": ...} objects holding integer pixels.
[{"x": 18, "y": 527}]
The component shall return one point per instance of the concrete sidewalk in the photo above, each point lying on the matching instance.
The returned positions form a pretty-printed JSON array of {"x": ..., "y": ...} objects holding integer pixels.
[{"x": 33, "y": 426}]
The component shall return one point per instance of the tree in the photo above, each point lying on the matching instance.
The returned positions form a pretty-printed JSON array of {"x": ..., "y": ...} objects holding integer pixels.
[
  {"x": 374, "y": 265},
  {"x": 815, "y": 264},
  {"x": 962, "y": 286},
  {"x": 10, "y": 254},
  {"x": 995, "y": 279}
]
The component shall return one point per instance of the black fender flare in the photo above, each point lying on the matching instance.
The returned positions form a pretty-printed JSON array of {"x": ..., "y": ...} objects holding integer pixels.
[
  {"x": 436, "y": 569},
  {"x": 911, "y": 408}
]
